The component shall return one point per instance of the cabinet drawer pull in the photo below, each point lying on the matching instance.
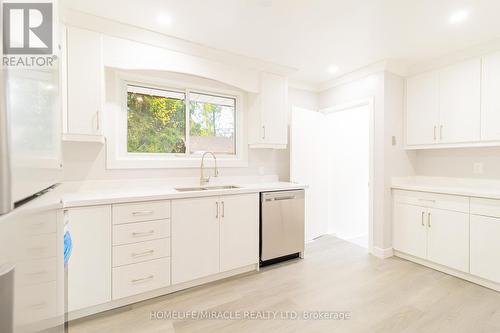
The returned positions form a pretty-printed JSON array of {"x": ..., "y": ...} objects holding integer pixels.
[
  {"x": 142, "y": 254},
  {"x": 423, "y": 214},
  {"x": 435, "y": 136},
  {"x": 263, "y": 132},
  {"x": 223, "y": 209},
  {"x": 216, "y": 209},
  {"x": 143, "y": 234},
  {"x": 441, "y": 132},
  {"x": 144, "y": 279},
  {"x": 427, "y": 200},
  {"x": 142, "y": 213},
  {"x": 429, "y": 220},
  {"x": 37, "y": 305}
]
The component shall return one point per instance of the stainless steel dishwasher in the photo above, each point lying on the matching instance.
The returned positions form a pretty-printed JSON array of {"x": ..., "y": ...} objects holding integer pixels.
[{"x": 281, "y": 226}]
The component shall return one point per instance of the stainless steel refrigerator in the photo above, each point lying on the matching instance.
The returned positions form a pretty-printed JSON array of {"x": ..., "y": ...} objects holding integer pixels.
[{"x": 31, "y": 246}]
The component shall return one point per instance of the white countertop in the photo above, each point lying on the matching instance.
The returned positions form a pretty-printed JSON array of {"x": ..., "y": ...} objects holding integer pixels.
[
  {"x": 481, "y": 188},
  {"x": 108, "y": 192}
]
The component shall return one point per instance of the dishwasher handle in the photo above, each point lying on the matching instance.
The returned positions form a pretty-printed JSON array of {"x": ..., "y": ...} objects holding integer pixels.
[{"x": 283, "y": 195}]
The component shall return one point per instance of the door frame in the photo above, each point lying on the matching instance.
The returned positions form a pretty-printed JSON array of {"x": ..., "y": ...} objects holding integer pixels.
[{"x": 369, "y": 102}]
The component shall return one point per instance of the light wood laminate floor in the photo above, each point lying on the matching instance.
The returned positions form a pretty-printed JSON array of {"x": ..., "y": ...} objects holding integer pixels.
[{"x": 391, "y": 295}]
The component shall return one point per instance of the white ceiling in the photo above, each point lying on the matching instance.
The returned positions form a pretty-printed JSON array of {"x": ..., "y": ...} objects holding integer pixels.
[{"x": 312, "y": 35}]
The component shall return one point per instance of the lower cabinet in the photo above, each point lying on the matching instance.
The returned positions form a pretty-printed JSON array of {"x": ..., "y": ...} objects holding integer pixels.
[
  {"x": 448, "y": 238},
  {"x": 213, "y": 234},
  {"x": 437, "y": 235},
  {"x": 410, "y": 230},
  {"x": 195, "y": 238},
  {"x": 89, "y": 268},
  {"x": 485, "y": 247}
]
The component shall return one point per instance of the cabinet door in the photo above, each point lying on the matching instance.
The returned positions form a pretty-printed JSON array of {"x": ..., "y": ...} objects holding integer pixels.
[
  {"x": 195, "y": 238},
  {"x": 485, "y": 247},
  {"x": 422, "y": 109},
  {"x": 273, "y": 103},
  {"x": 239, "y": 231},
  {"x": 89, "y": 267},
  {"x": 410, "y": 230},
  {"x": 84, "y": 81},
  {"x": 448, "y": 239},
  {"x": 490, "y": 97},
  {"x": 460, "y": 102}
]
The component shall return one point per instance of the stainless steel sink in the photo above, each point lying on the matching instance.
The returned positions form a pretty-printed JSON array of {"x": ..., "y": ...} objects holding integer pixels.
[{"x": 205, "y": 188}]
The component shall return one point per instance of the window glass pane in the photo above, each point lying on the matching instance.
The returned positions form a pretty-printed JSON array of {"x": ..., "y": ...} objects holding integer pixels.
[
  {"x": 212, "y": 123},
  {"x": 156, "y": 121}
]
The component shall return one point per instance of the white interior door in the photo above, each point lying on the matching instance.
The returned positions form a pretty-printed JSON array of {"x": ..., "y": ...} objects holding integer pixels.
[
  {"x": 348, "y": 152},
  {"x": 308, "y": 165}
]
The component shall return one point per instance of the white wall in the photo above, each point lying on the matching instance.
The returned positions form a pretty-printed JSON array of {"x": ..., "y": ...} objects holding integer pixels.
[
  {"x": 387, "y": 91},
  {"x": 459, "y": 162}
]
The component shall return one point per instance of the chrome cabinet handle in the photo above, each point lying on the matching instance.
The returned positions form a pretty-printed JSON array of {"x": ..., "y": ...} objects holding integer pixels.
[
  {"x": 284, "y": 198},
  {"x": 423, "y": 214},
  {"x": 142, "y": 212},
  {"x": 435, "y": 136},
  {"x": 142, "y": 279},
  {"x": 223, "y": 210},
  {"x": 216, "y": 209},
  {"x": 263, "y": 132},
  {"x": 441, "y": 132},
  {"x": 142, "y": 254},
  {"x": 429, "y": 220},
  {"x": 143, "y": 234}
]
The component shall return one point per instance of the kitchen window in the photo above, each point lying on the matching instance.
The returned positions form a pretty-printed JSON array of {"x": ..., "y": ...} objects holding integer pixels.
[{"x": 156, "y": 122}]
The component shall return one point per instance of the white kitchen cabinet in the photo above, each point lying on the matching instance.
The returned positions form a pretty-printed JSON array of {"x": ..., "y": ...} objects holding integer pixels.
[
  {"x": 239, "y": 231},
  {"x": 268, "y": 115},
  {"x": 422, "y": 109},
  {"x": 460, "y": 102},
  {"x": 89, "y": 268},
  {"x": 84, "y": 84},
  {"x": 443, "y": 107},
  {"x": 437, "y": 235},
  {"x": 195, "y": 238},
  {"x": 214, "y": 234},
  {"x": 410, "y": 229},
  {"x": 490, "y": 97},
  {"x": 448, "y": 238},
  {"x": 485, "y": 247}
]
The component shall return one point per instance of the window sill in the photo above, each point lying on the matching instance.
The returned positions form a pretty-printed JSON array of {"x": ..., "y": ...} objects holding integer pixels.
[{"x": 174, "y": 163}]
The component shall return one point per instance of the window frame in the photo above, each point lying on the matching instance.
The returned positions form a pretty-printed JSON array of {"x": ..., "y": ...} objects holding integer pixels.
[{"x": 118, "y": 156}]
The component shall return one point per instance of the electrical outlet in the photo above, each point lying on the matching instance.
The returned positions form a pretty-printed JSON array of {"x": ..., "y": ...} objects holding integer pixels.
[{"x": 478, "y": 168}]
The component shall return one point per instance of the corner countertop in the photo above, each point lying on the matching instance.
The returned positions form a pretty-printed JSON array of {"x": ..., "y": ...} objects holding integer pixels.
[
  {"x": 92, "y": 193},
  {"x": 480, "y": 188}
]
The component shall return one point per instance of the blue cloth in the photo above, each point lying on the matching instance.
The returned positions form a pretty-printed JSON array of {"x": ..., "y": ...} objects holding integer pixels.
[{"x": 68, "y": 247}]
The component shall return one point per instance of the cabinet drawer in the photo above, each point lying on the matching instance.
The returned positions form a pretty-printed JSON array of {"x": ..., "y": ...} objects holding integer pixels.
[
  {"x": 37, "y": 303},
  {"x": 41, "y": 246},
  {"x": 138, "y": 252},
  {"x": 39, "y": 224},
  {"x": 36, "y": 271},
  {"x": 485, "y": 207},
  {"x": 138, "y": 278},
  {"x": 140, "y": 231},
  {"x": 433, "y": 200},
  {"x": 142, "y": 211}
]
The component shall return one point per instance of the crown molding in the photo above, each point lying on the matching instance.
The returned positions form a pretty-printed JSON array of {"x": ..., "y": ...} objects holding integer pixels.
[{"x": 113, "y": 28}]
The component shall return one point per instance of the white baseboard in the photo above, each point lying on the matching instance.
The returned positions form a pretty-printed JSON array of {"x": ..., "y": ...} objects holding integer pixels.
[{"x": 382, "y": 253}]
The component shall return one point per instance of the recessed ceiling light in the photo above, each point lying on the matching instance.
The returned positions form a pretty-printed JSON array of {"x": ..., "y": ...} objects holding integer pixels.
[
  {"x": 164, "y": 19},
  {"x": 458, "y": 16},
  {"x": 333, "y": 69}
]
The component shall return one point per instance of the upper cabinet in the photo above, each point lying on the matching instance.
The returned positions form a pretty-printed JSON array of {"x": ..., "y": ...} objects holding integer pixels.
[
  {"x": 443, "y": 108},
  {"x": 84, "y": 85},
  {"x": 490, "y": 98},
  {"x": 268, "y": 113},
  {"x": 422, "y": 109},
  {"x": 460, "y": 102}
]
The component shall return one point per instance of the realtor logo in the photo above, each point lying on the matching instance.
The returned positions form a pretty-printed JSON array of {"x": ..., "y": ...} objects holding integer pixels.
[{"x": 27, "y": 28}]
